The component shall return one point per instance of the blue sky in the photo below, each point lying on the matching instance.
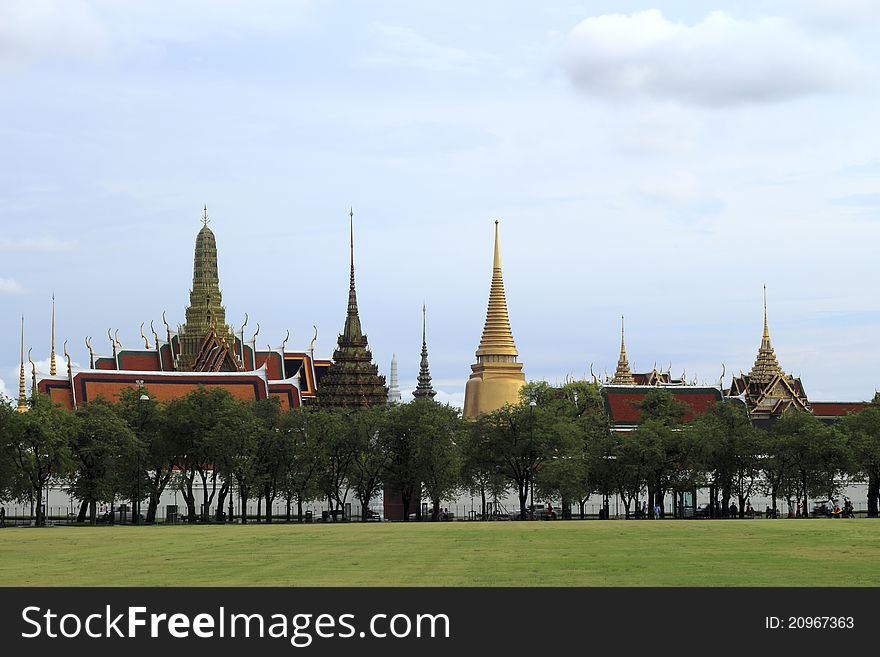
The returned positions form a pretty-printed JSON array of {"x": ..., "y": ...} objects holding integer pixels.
[{"x": 658, "y": 160}]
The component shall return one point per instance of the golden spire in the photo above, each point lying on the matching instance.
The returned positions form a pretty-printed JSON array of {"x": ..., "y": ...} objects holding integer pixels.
[
  {"x": 146, "y": 342},
  {"x": 766, "y": 366},
  {"x": 497, "y": 338},
  {"x": 52, "y": 369},
  {"x": 623, "y": 375},
  {"x": 22, "y": 394}
]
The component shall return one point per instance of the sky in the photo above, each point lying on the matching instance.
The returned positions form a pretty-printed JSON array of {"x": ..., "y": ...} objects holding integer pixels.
[{"x": 658, "y": 160}]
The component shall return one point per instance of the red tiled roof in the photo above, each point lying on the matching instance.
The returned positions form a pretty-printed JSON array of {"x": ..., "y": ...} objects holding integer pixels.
[
  {"x": 623, "y": 402},
  {"x": 836, "y": 409}
]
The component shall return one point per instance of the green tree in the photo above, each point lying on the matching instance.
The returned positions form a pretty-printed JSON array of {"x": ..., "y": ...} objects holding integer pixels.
[
  {"x": 307, "y": 428},
  {"x": 862, "y": 432},
  {"x": 438, "y": 431},
  {"x": 817, "y": 453},
  {"x": 106, "y": 453},
  {"x": 39, "y": 447},
  {"x": 400, "y": 436},
  {"x": 339, "y": 446},
  {"x": 190, "y": 421},
  {"x": 371, "y": 459},
  {"x": 480, "y": 471},
  {"x": 731, "y": 451},
  {"x": 154, "y": 463},
  {"x": 666, "y": 450}
]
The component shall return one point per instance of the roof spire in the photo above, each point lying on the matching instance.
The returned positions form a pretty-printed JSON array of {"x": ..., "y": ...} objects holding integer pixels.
[
  {"x": 766, "y": 366},
  {"x": 352, "y": 320},
  {"x": 766, "y": 330},
  {"x": 424, "y": 389},
  {"x": 52, "y": 369},
  {"x": 497, "y": 339},
  {"x": 623, "y": 375},
  {"x": 205, "y": 219},
  {"x": 22, "y": 394}
]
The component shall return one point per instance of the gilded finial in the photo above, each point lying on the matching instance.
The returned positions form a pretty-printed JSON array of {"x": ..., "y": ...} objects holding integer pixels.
[
  {"x": 146, "y": 342},
  {"x": 52, "y": 369},
  {"x": 33, "y": 373},
  {"x": 242, "y": 338},
  {"x": 116, "y": 336},
  {"x": 22, "y": 393},
  {"x": 91, "y": 353},
  {"x": 312, "y": 343},
  {"x": 112, "y": 341},
  {"x": 766, "y": 328},
  {"x": 254, "y": 337},
  {"x": 205, "y": 219},
  {"x": 721, "y": 380},
  {"x": 284, "y": 342},
  {"x": 155, "y": 335},
  {"x": 67, "y": 356}
]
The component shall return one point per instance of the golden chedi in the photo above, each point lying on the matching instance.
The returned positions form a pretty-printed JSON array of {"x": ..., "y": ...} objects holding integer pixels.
[{"x": 496, "y": 377}]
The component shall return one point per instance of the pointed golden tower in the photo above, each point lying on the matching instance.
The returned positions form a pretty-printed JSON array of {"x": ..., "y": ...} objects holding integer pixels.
[
  {"x": 622, "y": 376},
  {"x": 22, "y": 394},
  {"x": 52, "y": 370},
  {"x": 766, "y": 366},
  {"x": 496, "y": 377}
]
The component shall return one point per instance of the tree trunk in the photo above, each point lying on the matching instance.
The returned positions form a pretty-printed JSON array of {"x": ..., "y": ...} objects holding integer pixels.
[
  {"x": 806, "y": 496},
  {"x": 289, "y": 504},
  {"x": 259, "y": 508},
  {"x": 873, "y": 495},
  {"x": 483, "y": 501},
  {"x": 583, "y": 503},
  {"x": 221, "y": 501},
  {"x": 41, "y": 516},
  {"x": 83, "y": 507},
  {"x": 242, "y": 490},
  {"x": 523, "y": 495},
  {"x": 152, "y": 506},
  {"x": 299, "y": 508},
  {"x": 773, "y": 494},
  {"x": 405, "y": 499}
]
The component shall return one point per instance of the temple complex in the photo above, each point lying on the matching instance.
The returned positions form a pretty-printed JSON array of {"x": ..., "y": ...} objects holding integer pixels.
[
  {"x": 204, "y": 351},
  {"x": 496, "y": 378},
  {"x": 353, "y": 380}
]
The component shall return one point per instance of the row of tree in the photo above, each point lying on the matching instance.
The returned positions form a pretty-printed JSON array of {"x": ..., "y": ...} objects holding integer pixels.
[{"x": 557, "y": 444}]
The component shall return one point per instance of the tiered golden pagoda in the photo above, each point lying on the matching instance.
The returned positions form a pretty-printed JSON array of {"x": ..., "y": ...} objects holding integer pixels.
[
  {"x": 496, "y": 378},
  {"x": 622, "y": 376},
  {"x": 767, "y": 390}
]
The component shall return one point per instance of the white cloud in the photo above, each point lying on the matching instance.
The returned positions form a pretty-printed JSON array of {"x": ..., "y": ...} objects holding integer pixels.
[
  {"x": 32, "y": 29},
  {"x": 37, "y": 245},
  {"x": 10, "y": 286},
  {"x": 3, "y": 391},
  {"x": 718, "y": 61}
]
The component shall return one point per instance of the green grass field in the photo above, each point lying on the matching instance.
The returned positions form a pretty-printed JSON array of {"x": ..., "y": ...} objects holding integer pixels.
[{"x": 590, "y": 553}]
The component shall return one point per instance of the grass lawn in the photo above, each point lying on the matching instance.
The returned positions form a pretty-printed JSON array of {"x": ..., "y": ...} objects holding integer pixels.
[{"x": 590, "y": 553}]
